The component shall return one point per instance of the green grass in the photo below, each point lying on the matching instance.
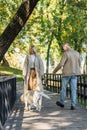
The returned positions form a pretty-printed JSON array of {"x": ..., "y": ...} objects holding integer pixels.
[{"x": 11, "y": 71}]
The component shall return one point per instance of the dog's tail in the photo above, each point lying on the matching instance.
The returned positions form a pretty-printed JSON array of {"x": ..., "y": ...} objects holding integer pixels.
[{"x": 45, "y": 95}]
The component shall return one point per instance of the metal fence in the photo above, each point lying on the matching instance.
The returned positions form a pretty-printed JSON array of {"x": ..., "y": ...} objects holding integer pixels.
[
  {"x": 82, "y": 90},
  {"x": 7, "y": 96},
  {"x": 52, "y": 82}
]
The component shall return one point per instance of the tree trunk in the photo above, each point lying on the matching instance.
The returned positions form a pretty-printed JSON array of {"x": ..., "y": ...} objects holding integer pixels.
[
  {"x": 4, "y": 62},
  {"x": 15, "y": 26},
  {"x": 86, "y": 64},
  {"x": 48, "y": 54}
]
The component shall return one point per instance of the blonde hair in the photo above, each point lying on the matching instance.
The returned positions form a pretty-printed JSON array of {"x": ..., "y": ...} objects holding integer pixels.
[{"x": 33, "y": 48}]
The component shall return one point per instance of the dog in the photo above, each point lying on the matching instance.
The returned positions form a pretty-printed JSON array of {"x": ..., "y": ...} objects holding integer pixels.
[{"x": 33, "y": 99}]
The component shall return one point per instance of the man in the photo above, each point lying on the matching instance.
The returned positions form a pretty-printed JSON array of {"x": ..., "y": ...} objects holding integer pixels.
[{"x": 70, "y": 64}]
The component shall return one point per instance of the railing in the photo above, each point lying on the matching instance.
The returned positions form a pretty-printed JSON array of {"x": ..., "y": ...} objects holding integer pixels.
[
  {"x": 7, "y": 96},
  {"x": 82, "y": 90},
  {"x": 52, "y": 82}
]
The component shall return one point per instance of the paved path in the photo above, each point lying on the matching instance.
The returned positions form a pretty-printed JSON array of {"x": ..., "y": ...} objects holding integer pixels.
[{"x": 51, "y": 116}]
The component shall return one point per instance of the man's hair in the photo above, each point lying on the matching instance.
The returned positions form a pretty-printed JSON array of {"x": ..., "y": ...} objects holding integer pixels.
[{"x": 66, "y": 44}]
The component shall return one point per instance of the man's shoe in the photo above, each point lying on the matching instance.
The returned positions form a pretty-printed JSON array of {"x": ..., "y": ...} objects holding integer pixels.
[
  {"x": 59, "y": 104},
  {"x": 72, "y": 108}
]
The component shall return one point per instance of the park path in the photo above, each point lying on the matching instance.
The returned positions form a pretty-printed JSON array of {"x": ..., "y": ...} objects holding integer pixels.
[{"x": 51, "y": 116}]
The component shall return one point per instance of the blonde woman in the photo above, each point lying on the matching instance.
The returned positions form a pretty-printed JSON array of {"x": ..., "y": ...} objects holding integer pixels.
[{"x": 33, "y": 71}]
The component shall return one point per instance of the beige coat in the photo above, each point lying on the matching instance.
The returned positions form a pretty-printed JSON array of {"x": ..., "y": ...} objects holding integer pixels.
[
  {"x": 39, "y": 67},
  {"x": 70, "y": 62}
]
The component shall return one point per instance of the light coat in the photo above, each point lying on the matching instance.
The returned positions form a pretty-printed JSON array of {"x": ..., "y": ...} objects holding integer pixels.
[{"x": 39, "y": 67}]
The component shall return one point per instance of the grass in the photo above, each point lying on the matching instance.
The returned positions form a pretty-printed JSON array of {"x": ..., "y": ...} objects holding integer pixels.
[{"x": 11, "y": 71}]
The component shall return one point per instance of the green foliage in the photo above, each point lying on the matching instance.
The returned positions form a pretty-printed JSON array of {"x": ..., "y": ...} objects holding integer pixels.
[
  {"x": 11, "y": 71},
  {"x": 51, "y": 21},
  {"x": 7, "y": 10}
]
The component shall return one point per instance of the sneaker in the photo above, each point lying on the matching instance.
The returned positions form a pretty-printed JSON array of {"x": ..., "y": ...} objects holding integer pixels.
[
  {"x": 72, "y": 108},
  {"x": 32, "y": 107},
  {"x": 59, "y": 104}
]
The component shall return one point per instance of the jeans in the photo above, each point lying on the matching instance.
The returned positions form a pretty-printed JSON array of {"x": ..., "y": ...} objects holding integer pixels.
[{"x": 72, "y": 80}]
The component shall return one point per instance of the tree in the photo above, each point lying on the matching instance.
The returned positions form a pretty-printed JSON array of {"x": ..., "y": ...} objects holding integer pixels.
[
  {"x": 67, "y": 19},
  {"x": 48, "y": 53},
  {"x": 4, "y": 62},
  {"x": 16, "y": 25}
]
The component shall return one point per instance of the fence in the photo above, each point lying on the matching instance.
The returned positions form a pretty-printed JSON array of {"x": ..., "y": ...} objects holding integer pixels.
[
  {"x": 52, "y": 82},
  {"x": 7, "y": 96},
  {"x": 82, "y": 90}
]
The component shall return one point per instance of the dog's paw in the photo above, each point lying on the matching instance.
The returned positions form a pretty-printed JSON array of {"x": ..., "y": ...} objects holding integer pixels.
[
  {"x": 26, "y": 109},
  {"x": 38, "y": 109}
]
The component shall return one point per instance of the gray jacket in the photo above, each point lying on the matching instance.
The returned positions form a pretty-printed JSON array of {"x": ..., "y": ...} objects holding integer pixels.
[{"x": 70, "y": 62}]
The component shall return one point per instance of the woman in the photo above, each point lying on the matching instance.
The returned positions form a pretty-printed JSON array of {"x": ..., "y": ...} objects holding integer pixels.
[{"x": 33, "y": 71}]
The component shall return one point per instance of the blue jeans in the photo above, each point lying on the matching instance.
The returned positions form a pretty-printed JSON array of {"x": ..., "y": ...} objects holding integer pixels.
[{"x": 72, "y": 80}]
